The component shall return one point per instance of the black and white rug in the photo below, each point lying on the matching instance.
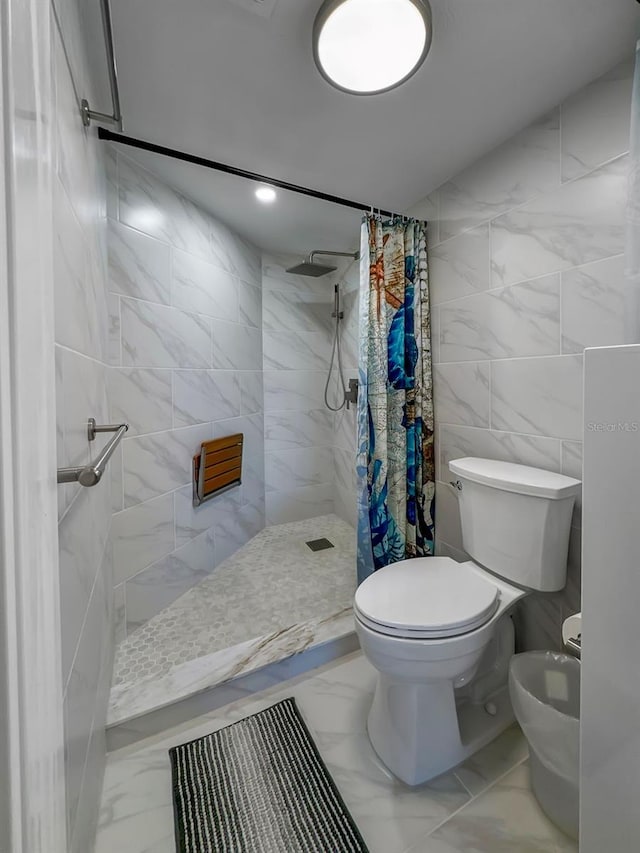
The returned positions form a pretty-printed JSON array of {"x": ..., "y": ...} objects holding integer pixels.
[{"x": 259, "y": 786}]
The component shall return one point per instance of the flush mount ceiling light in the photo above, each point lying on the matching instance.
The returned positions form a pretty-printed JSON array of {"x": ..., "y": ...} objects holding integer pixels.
[
  {"x": 370, "y": 46},
  {"x": 266, "y": 194}
]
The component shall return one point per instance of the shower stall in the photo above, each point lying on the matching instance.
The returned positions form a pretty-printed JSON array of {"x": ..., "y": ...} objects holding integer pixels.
[
  {"x": 212, "y": 337},
  {"x": 310, "y": 267}
]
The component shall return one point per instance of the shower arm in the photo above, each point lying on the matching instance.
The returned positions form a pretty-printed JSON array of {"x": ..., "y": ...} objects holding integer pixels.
[{"x": 354, "y": 255}]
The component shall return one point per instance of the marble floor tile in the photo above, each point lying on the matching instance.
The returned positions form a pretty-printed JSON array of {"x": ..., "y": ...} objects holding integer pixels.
[
  {"x": 492, "y": 761},
  {"x": 390, "y": 815},
  {"x": 484, "y": 806},
  {"x": 505, "y": 819}
]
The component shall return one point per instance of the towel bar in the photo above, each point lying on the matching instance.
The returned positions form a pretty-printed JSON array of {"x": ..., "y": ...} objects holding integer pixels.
[{"x": 91, "y": 474}]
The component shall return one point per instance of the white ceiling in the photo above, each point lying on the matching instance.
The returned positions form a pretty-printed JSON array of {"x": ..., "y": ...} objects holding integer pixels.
[
  {"x": 292, "y": 224},
  {"x": 218, "y": 79}
]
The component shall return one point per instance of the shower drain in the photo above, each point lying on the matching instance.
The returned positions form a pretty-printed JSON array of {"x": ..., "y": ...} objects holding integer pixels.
[{"x": 319, "y": 544}]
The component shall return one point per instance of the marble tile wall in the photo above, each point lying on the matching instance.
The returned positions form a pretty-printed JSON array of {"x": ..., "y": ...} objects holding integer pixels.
[
  {"x": 84, "y": 515},
  {"x": 299, "y": 429},
  {"x": 185, "y": 302},
  {"x": 526, "y": 270}
]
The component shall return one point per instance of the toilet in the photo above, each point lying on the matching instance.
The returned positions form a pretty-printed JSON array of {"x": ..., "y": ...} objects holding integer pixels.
[{"x": 439, "y": 632}]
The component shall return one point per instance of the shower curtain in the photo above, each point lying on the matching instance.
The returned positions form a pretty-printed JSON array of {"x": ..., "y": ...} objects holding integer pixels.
[{"x": 395, "y": 465}]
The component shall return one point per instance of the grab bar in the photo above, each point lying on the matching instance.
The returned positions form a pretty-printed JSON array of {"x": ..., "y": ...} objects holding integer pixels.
[{"x": 90, "y": 475}]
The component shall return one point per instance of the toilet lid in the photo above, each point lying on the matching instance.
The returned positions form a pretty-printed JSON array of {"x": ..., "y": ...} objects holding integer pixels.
[{"x": 427, "y": 597}]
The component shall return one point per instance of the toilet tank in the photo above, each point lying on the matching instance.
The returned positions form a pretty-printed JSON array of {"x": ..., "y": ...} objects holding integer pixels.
[{"x": 516, "y": 520}]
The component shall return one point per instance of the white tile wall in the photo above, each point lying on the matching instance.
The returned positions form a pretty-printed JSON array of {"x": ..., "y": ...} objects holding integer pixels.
[
  {"x": 154, "y": 588},
  {"x": 577, "y": 222},
  {"x": 596, "y": 121},
  {"x": 186, "y": 349},
  {"x": 142, "y": 398},
  {"x": 138, "y": 265},
  {"x": 159, "y": 336},
  {"x": 524, "y": 167},
  {"x": 203, "y": 396},
  {"x": 539, "y": 396},
  {"x": 142, "y": 535},
  {"x": 526, "y": 271},
  {"x": 593, "y": 305},
  {"x": 81, "y": 323},
  {"x": 309, "y": 450},
  {"x": 461, "y": 266},
  {"x": 463, "y": 392},
  {"x": 293, "y": 390},
  {"x": 298, "y": 428}
]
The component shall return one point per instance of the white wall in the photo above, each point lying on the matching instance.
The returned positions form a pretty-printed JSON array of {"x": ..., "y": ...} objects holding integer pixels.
[
  {"x": 32, "y": 791},
  {"x": 81, "y": 392},
  {"x": 186, "y": 349},
  {"x": 297, "y": 328},
  {"x": 526, "y": 269},
  {"x": 309, "y": 450},
  {"x": 610, "y": 703}
]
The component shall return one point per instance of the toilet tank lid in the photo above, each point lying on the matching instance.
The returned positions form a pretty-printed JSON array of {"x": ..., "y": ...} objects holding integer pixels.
[{"x": 510, "y": 477}]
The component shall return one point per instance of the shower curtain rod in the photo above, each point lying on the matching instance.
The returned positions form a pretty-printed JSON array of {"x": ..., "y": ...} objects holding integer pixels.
[{"x": 109, "y": 135}]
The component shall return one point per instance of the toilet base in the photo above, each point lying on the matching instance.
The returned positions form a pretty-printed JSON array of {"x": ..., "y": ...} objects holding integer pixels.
[{"x": 420, "y": 731}]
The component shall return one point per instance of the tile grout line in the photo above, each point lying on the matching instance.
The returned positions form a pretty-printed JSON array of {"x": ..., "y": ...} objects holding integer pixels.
[
  {"x": 528, "y": 280},
  {"x": 472, "y": 799},
  {"x": 509, "y": 432},
  {"x": 535, "y": 197}
]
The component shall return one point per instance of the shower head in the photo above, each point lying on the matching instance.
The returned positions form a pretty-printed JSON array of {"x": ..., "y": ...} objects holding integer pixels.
[{"x": 311, "y": 268}]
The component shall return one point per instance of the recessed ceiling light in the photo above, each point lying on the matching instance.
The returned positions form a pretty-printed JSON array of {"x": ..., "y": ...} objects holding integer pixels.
[
  {"x": 266, "y": 194},
  {"x": 370, "y": 46}
]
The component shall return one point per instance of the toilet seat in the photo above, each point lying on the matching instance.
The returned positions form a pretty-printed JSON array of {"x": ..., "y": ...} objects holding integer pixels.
[{"x": 426, "y": 598}]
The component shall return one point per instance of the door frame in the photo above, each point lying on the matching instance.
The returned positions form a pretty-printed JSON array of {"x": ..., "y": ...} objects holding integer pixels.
[{"x": 32, "y": 788}]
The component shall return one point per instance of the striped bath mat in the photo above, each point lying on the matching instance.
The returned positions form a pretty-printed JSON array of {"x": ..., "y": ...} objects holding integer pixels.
[{"x": 259, "y": 786}]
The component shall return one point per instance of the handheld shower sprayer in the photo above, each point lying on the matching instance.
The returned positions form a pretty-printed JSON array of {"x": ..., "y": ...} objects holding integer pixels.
[
  {"x": 336, "y": 349},
  {"x": 336, "y": 303}
]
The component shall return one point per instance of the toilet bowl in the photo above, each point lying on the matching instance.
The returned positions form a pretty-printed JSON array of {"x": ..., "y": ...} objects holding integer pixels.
[
  {"x": 422, "y": 720},
  {"x": 439, "y": 632}
]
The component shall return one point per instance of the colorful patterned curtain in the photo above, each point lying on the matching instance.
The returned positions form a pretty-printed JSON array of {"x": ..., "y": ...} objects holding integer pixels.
[{"x": 395, "y": 406}]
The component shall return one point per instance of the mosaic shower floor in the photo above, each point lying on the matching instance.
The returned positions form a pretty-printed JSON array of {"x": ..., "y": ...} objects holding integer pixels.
[{"x": 270, "y": 588}]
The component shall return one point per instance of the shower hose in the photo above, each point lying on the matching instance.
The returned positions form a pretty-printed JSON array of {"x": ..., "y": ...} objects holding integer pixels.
[{"x": 335, "y": 350}]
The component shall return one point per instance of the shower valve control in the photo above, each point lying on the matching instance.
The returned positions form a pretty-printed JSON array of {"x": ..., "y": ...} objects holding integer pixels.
[{"x": 351, "y": 396}]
